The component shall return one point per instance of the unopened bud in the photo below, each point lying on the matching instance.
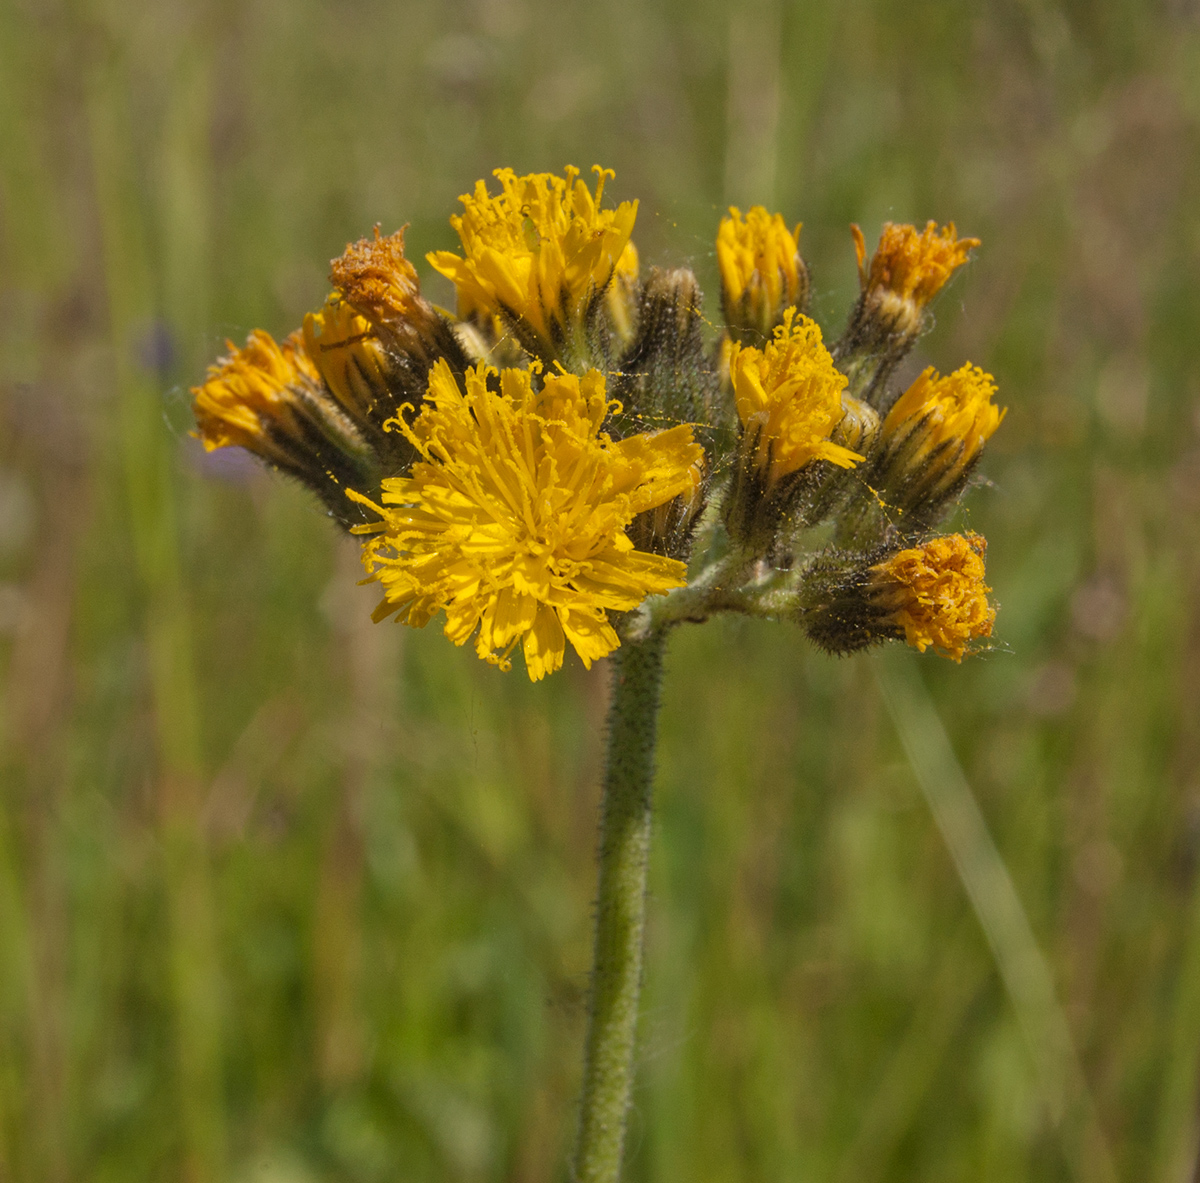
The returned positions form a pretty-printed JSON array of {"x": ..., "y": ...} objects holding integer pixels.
[
  {"x": 665, "y": 377},
  {"x": 369, "y": 382},
  {"x": 928, "y": 444},
  {"x": 268, "y": 399},
  {"x": 762, "y": 273}
]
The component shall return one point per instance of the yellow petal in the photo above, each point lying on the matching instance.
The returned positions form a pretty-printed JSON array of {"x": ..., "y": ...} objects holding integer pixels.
[{"x": 544, "y": 644}]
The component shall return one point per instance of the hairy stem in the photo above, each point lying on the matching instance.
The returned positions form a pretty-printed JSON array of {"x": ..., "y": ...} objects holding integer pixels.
[
  {"x": 728, "y": 585},
  {"x": 620, "y": 909}
]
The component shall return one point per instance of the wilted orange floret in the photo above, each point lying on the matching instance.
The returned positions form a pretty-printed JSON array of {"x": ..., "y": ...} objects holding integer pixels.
[
  {"x": 374, "y": 276},
  {"x": 248, "y": 389},
  {"x": 914, "y": 266},
  {"x": 936, "y": 593}
]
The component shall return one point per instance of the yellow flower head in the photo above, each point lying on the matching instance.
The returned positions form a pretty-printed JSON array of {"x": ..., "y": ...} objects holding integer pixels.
[
  {"x": 789, "y": 399},
  {"x": 248, "y": 399},
  {"x": 348, "y": 355},
  {"x": 948, "y": 418},
  {"x": 514, "y": 521},
  {"x": 936, "y": 594},
  {"x": 538, "y": 251},
  {"x": 761, "y": 269}
]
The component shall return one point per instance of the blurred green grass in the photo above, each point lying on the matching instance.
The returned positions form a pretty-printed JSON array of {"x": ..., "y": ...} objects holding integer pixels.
[{"x": 286, "y": 897}]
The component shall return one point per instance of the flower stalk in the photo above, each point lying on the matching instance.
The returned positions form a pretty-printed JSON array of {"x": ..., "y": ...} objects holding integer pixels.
[{"x": 624, "y": 856}]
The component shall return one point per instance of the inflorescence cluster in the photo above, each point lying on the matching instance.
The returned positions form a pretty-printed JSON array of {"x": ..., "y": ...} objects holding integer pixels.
[{"x": 550, "y": 463}]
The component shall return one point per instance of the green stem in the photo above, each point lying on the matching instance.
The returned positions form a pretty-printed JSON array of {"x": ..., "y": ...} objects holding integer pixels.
[
  {"x": 620, "y": 909},
  {"x": 723, "y": 586}
]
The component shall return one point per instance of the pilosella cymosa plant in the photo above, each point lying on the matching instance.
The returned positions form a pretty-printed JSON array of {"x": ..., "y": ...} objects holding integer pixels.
[{"x": 568, "y": 461}]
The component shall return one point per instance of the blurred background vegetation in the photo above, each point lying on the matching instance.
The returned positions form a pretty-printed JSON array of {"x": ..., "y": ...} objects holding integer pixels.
[{"x": 288, "y": 897}]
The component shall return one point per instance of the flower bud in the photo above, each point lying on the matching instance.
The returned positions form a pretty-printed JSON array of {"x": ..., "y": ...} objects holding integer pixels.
[
  {"x": 665, "y": 378},
  {"x": 268, "y": 399},
  {"x": 858, "y": 426},
  {"x": 935, "y": 432},
  {"x": 928, "y": 444},
  {"x": 762, "y": 273},
  {"x": 369, "y": 382}
]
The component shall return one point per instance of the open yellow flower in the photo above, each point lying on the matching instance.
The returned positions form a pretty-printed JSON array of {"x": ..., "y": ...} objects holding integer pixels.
[
  {"x": 789, "y": 399},
  {"x": 761, "y": 270},
  {"x": 935, "y": 593},
  {"x": 537, "y": 252},
  {"x": 514, "y": 521}
]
